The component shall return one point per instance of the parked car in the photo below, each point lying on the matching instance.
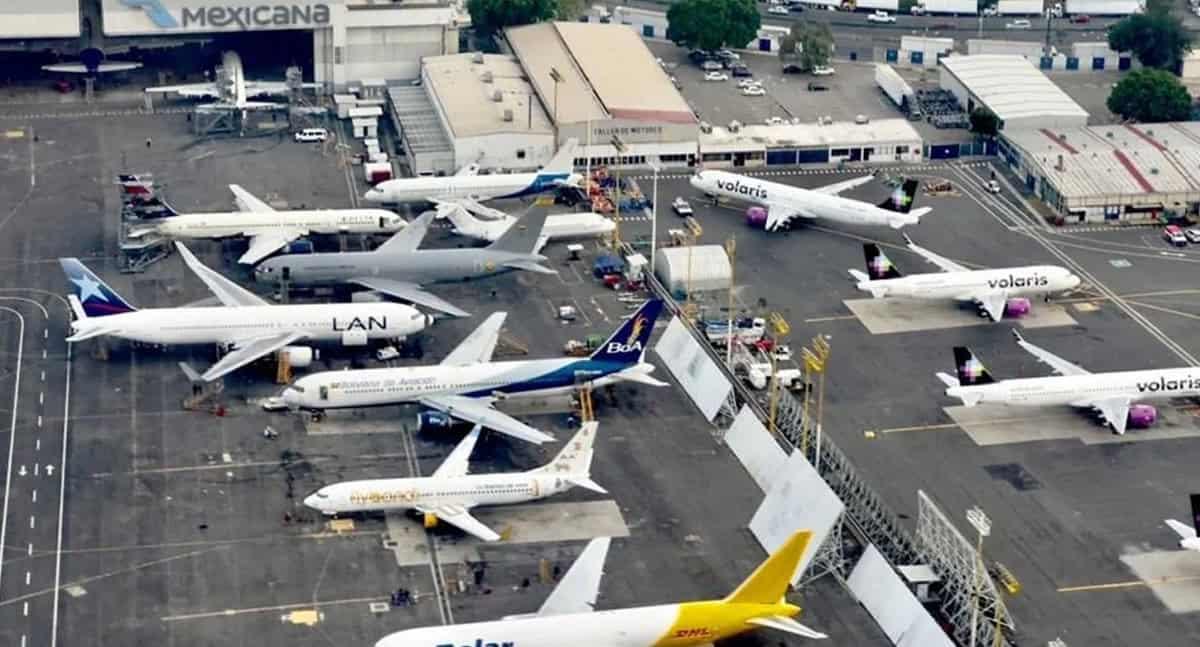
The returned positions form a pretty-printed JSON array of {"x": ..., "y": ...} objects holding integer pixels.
[
  {"x": 1081, "y": 19},
  {"x": 1193, "y": 235},
  {"x": 709, "y": 65},
  {"x": 992, "y": 186},
  {"x": 1174, "y": 234},
  {"x": 747, "y": 83},
  {"x": 681, "y": 207},
  {"x": 716, "y": 76},
  {"x": 728, "y": 54},
  {"x": 862, "y": 119},
  {"x": 991, "y": 10},
  {"x": 741, "y": 70},
  {"x": 778, "y": 10},
  {"x": 311, "y": 135},
  {"x": 823, "y": 70},
  {"x": 917, "y": 10},
  {"x": 1019, "y": 23},
  {"x": 754, "y": 91},
  {"x": 881, "y": 16},
  {"x": 813, "y": 86},
  {"x": 793, "y": 68},
  {"x": 796, "y": 7}
]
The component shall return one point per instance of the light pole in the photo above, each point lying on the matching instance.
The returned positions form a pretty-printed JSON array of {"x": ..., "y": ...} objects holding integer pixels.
[
  {"x": 557, "y": 78},
  {"x": 620, "y": 148},
  {"x": 983, "y": 525},
  {"x": 653, "y": 218}
]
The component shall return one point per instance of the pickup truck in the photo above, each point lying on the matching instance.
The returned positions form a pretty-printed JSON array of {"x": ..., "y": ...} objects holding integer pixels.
[
  {"x": 881, "y": 16},
  {"x": 682, "y": 208},
  {"x": 745, "y": 330}
]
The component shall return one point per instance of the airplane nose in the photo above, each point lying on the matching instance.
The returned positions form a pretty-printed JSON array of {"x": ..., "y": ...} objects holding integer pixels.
[
  {"x": 311, "y": 501},
  {"x": 291, "y": 397},
  {"x": 1074, "y": 282}
]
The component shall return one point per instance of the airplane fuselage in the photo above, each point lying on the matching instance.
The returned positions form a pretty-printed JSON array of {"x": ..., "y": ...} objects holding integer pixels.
[
  {"x": 558, "y": 226},
  {"x": 219, "y": 325},
  {"x": 421, "y": 267},
  {"x": 475, "y": 187},
  {"x": 667, "y": 625},
  {"x": 321, "y": 221},
  {"x": 424, "y": 493},
  {"x": 1081, "y": 390},
  {"x": 792, "y": 199},
  {"x": 384, "y": 386},
  {"x": 1014, "y": 281}
]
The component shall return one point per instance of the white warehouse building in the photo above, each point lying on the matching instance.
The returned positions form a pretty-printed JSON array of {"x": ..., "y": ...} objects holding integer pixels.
[{"x": 1011, "y": 87}]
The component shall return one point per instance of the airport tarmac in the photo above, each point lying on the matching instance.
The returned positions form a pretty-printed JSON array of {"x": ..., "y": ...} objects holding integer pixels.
[
  {"x": 1071, "y": 504},
  {"x": 184, "y": 527}
]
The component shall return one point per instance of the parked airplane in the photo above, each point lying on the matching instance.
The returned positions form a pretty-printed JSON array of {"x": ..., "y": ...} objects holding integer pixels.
[
  {"x": 569, "y": 614},
  {"x": 467, "y": 381},
  {"x": 270, "y": 230},
  {"x": 247, "y": 326},
  {"x": 400, "y": 270},
  {"x": 784, "y": 202},
  {"x": 467, "y": 183},
  {"x": 231, "y": 88},
  {"x": 996, "y": 292},
  {"x": 1109, "y": 394},
  {"x": 1189, "y": 536},
  {"x": 450, "y": 493},
  {"x": 492, "y": 223}
]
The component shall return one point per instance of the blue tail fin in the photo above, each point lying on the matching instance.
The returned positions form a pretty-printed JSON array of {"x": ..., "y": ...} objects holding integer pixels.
[
  {"x": 97, "y": 298},
  {"x": 629, "y": 342}
]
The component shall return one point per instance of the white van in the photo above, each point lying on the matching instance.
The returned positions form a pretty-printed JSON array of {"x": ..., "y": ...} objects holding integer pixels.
[{"x": 312, "y": 135}]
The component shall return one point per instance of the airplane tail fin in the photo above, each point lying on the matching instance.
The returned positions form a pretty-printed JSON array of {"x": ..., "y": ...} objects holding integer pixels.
[
  {"x": 970, "y": 370},
  {"x": 901, "y": 200},
  {"x": 769, "y": 582},
  {"x": 96, "y": 298},
  {"x": 574, "y": 460},
  {"x": 1196, "y": 513},
  {"x": 523, "y": 236},
  {"x": 879, "y": 266},
  {"x": 563, "y": 161},
  {"x": 629, "y": 342}
]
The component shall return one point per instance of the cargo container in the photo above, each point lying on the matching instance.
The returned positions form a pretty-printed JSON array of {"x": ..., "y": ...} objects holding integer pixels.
[
  {"x": 376, "y": 172},
  {"x": 1103, "y": 7},
  {"x": 895, "y": 87},
  {"x": 890, "y": 6},
  {"x": 956, "y": 7},
  {"x": 1020, "y": 7}
]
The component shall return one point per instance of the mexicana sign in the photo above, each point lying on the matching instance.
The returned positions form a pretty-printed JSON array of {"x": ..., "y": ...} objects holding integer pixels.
[{"x": 280, "y": 15}]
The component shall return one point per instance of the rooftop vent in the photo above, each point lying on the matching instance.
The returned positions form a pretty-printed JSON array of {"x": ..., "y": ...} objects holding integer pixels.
[
  {"x": 487, "y": 76},
  {"x": 508, "y": 114},
  {"x": 1108, "y": 134},
  {"x": 497, "y": 96},
  {"x": 735, "y": 126},
  {"x": 477, "y": 58}
]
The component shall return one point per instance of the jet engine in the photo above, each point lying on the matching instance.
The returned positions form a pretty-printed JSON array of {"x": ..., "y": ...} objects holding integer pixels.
[
  {"x": 756, "y": 217},
  {"x": 433, "y": 421},
  {"x": 1017, "y": 307},
  {"x": 299, "y": 356},
  {"x": 431, "y": 520},
  {"x": 1142, "y": 416},
  {"x": 354, "y": 338}
]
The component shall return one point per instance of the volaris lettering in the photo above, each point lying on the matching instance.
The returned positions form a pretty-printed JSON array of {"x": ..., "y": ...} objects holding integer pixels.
[
  {"x": 1012, "y": 281},
  {"x": 736, "y": 186}
]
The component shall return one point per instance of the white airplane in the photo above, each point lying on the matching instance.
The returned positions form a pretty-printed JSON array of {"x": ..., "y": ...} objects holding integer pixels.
[
  {"x": 467, "y": 382},
  {"x": 450, "y": 493},
  {"x": 1189, "y": 536},
  {"x": 784, "y": 202},
  {"x": 1109, "y": 394},
  {"x": 468, "y": 184},
  {"x": 996, "y": 292},
  {"x": 247, "y": 326},
  {"x": 270, "y": 230},
  {"x": 231, "y": 88},
  {"x": 92, "y": 61},
  {"x": 569, "y": 615},
  {"x": 492, "y": 223}
]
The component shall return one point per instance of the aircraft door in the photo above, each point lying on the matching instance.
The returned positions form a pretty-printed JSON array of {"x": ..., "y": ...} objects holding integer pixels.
[
  {"x": 381, "y": 223},
  {"x": 286, "y": 273},
  {"x": 324, "y": 392}
]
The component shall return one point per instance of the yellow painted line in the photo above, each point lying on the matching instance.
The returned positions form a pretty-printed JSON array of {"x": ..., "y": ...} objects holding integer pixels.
[
  {"x": 1112, "y": 586},
  {"x": 225, "y": 613},
  {"x": 954, "y": 425},
  {"x": 14, "y": 134},
  {"x": 833, "y": 318},
  {"x": 949, "y": 425}
]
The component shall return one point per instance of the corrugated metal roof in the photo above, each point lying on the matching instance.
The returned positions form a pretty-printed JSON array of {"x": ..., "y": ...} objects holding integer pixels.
[
  {"x": 465, "y": 86},
  {"x": 802, "y": 135},
  {"x": 413, "y": 111},
  {"x": 1011, "y": 86}
]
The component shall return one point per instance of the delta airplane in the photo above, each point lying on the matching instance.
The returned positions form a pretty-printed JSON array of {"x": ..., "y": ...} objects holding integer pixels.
[
  {"x": 450, "y": 493},
  {"x": 996, "y": 292},
  {"x": 569, "y": 615},
  {"x": 232, "y": 89},
  {"x": 270, "y": 230},
  {"x": 1189, "y": 536},
  {"x": 1109, "y": 394},
  {"x": 784, "y": 202},
  {"x": 467, "y": 382},
  {"x": 247, "y": 326},
  {"x": 468, "y": 184},
  {"x": 492, "y": 223}
]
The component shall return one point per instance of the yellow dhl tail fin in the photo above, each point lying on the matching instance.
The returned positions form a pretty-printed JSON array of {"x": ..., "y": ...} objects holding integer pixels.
[{"x": 768, "y": 583}]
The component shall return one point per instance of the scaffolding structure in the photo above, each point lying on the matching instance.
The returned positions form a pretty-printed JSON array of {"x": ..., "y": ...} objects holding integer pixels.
[{"x": 141, "y": 205}]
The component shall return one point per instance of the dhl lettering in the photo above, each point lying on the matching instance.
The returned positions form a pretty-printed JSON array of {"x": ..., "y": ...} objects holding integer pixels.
[
  {"x": 358, "y": 324},
  {"x": 696, "y": 632},
  {"x": 1163, "y": 384},
  {"x": 736, "y": 186},
  {"x": 1010, "y": 281}
]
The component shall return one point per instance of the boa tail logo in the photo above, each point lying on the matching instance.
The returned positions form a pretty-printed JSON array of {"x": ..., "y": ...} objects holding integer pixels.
[{"x": 155, "y": 11}]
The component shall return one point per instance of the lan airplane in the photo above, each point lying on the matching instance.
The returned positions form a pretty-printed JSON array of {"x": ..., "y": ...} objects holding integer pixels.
[
  {"x": 270, "y": 230},
  {"x": 247, "y": 326},
  {"x": 491, "y": 224},
  {"x": 1109, "y": 394},
  {"x": 450, "y": 493},
  {"x": 1189, "y": 536},
  {"x": 784, "y": 202},
  {"x": 467, "y": 382},
  {"x": 995, "y": 292},
  {"x": 569, "y": 615},
  {"x": 468, "y": 184}
]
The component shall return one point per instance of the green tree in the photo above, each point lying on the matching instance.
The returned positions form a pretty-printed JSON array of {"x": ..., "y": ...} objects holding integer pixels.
[
  {"x": 810, "y": 43},
  {"x": 1156, "y": 36},
  {"x": 984, "y": 122},
  {"x": 1149, "y": 95},
  {"x": 712, "y": 24},
  {"x": 488, "y": 17},
  {"x": 568, "y": 9}
]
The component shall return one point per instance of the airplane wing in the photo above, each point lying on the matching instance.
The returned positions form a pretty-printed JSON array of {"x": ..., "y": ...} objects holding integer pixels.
[
  {"x": 459, "y": 460},
  {"x": 80, "y": 68},
  {"x": 1057, "y": 364},
  {"x": 786, "y": 624},
  {"x": 942, "y": 262},
  {"x": 778, "y": 216},
  {"x": 479, "y": 345},
  {"x": 460, "y": 517},
  {"x": 266, "y": 88},
  {"x": 409, "y": 292},
  {"x": 993, "y": 303},
  {"x": 482, "y": 413},
  {"x": 264, "y": 244},
  {"x": 529, "y": 265},
  {"x": 1183, "y": 530},
  {"x": 1114, "y": 410},
  {"x": 577, "y": 590},
  {"x": 834, "y": 189},
  {"x": 248, "y": 351},
  {"x": 190, "y": 90},
  {"x": 230, "y": 293},
  {"x": 409, "y": 238},
  {"x": 247, "y": 202}
]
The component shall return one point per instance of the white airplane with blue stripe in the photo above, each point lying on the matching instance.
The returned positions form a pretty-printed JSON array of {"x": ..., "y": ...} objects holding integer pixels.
[
  {"x": 468, "y": 184},
  {"x": 466, "y": 383}
]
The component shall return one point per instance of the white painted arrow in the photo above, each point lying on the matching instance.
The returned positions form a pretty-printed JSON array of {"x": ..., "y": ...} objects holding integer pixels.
[
  {"x": 49, "y": 470},
  {"x": 22, "y": 471}
]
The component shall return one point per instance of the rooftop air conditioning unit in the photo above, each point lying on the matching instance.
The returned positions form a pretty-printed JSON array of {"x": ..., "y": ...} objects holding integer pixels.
[
  {"x": 1149, "y": 132},
  {"x": 487, "y": 76},
  {"x": 1108, "y": 134},
  {"x": 477, "y": 58},
  {"x": 735, "y": 126},
  {"x": 497, "y": 96},
  {"x": 1154, "y": 171},
  {"x": 705, "y": 127},
  {"x": 508, "y": 114}
]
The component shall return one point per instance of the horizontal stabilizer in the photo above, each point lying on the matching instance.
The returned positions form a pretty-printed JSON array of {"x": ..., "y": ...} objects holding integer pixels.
[
  {"x": 529, "y": 266},
  {"x": 783, "y": 623},
  {"x": 861, "y": 277},
  {"x": 192, "y": 374},
  {"x": 96, "y": 331},
  {"x": 639, "y": 377},
  {"x": 947, "y": 379},
  {"x": 585, "y": 482}
]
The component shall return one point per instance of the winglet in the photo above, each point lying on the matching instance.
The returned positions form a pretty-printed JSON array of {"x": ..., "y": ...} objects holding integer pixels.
[{"x": 769, "y": 582}]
